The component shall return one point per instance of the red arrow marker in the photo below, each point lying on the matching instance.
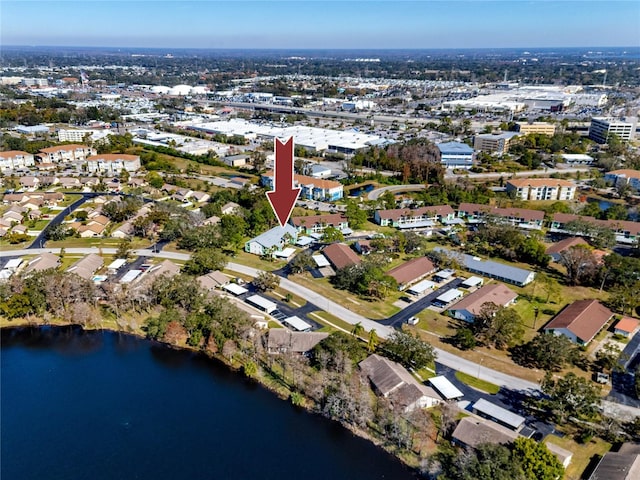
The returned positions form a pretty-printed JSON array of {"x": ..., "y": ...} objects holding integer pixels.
[{"x": 283, "y": 196}]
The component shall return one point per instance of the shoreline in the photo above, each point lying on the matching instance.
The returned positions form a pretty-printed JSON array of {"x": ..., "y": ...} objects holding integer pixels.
[{"x": 283, "y": 394}]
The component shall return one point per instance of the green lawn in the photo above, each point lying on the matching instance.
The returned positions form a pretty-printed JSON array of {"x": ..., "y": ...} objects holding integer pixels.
[
  {"x": 582, "y": 454},
  {"x": 333, "y": 323},
  {"x": 477, "y": 383}
]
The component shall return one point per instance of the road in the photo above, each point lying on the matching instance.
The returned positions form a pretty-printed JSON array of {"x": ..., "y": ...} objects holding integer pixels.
[
  {"x": 445, "y": 358},
  {"x": 374, "y": 194}
]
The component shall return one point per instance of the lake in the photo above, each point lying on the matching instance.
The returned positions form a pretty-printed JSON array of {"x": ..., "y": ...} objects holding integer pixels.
[{"x": 102, "y": 405}]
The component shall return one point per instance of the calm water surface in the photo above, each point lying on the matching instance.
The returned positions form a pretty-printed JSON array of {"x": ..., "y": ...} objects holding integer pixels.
[{"x": 99, "y": 405}]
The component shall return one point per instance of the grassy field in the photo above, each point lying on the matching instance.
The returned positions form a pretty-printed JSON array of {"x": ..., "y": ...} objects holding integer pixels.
[
  {"x": 280, "y": 294},
  {"x": 582, "y": 454},
  {"x": 477, "y": 383},
  {"x": 333, "y": 323}
]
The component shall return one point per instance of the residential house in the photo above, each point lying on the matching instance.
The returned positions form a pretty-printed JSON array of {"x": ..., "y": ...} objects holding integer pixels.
[
  {"x": 394, "y": 382},
  {"x": 627, "y": 327},
  {"x": 469, "y": 307},
  {"x": 70, "y": 182},
  {"x": 624, "y": 177},
  {"x": 200, "y": 197},
  {"x": 113, "y": 163},
  {"x": 283, "y": 340},
  {"x": 43, "y": 261},
  {"x": 86, "y": 267},
  {"x": 312, "y": 188},
  {"x": 541, "y": 189},
  {"x": 557, "y": 248},
  {"x": 15, "y": 159},
  {"x": 456, "y": 155},
  {"x": 317, "y": 223},
  {"x": 472, "y": 432},
  {"x": 581, "y": 321},
  {"x": 213, "y": 280},
  {"x": 340, "y": 255},
  {"x": 230, "y": 208},
  {"x": 414, "y": 218},
  {"x": 29, "y": 182},
  {"x": 489, "y": 268},
  {"x": 621, "y": 465},
  {"x": 272, "y": 241},
  {"x": 412, "y": 271}
]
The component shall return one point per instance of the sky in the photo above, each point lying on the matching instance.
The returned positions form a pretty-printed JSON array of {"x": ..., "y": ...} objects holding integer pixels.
[{"x": 307, "y": 24}]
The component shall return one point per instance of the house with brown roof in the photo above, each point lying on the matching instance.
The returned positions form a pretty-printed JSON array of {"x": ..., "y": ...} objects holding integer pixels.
[
  {"x": 213, "y": 280},
  {"x": 469, "y": 307},
  {"x": 87, "y": 266},
  {"x": 90, "y": 230},
  {"x": 472, "y": 432},
  {"x": 394, "y": 382},
  {"x": 557, "y": 248},
  {"x": 283, "y": 340},
  {"x": 43, "y": 261},
  {"x": 412, "y": 271},
  {"x": 340, "y": 255},
  {"x": 581, "y": 321},
  {"x": 317, "y": 223},
  {"x": 627, "y": 327}
]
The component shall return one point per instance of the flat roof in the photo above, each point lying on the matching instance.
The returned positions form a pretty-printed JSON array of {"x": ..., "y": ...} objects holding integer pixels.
[
  {"x": 297, "y": 323},
  {"x": 130, "y": 276},
  {"x": 285, "y": 253},
  {"x": 304, "y": 241},
  {"x": 472, "y": 281},
  {"x": 445, "y": 273},
  {"x": 261, "y": 302},
  {"x": 501, "y": 414},
  {"x": 321, "y": 261},
  {"x": 116, "y": 264},
  {"x": 13, "y": 263},
  {"x": 422, "y": 286},
  {"x": 445, "y": 388},
  {"x": 235, "y": 288},
  {"x": 449, "y": 296}
]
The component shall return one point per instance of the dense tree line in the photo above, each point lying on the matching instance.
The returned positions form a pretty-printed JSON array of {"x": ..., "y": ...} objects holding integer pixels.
[{"x": 494, "y": 238}]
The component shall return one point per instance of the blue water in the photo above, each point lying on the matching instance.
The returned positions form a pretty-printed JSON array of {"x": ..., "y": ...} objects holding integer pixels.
[{"x": 101, "y": 405}]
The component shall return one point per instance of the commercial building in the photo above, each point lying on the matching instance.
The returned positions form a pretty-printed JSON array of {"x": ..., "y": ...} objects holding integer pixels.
[
  {"x": 581, "y": 321},
  {"x": 602, "y": 128},
  {"x": 456, "y": 155},
  {"x": 624, "y": 177},
  {"x": 577, "y": 159},
  {"x": 542, "y": 128},
  {"x": 312, "y": 188},
  {"x": 541, "y": 189},
  {"x": 494, "y": 142},
  {"x": 14, "y": 159},
  {"x": 113, "y": 163}
]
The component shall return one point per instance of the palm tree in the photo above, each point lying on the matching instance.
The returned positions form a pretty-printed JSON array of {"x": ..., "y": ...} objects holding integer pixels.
[
  {"x": 373, "y": 340},
  {"x": 357, "y": 330}
]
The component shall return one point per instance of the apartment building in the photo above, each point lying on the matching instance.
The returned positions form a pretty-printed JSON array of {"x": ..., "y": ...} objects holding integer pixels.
[
  {"x": 456, "y": 155},
  {"x": 542, "y": 189},
  {"x": 602, "y": 128},
  {"x": 312, "y": 188},
  {"x": 14, "y": 159},
  {"x": 494, "y": 142},
  {"x": 414, "y": 218},
  {"x": 113, "y": 163},
  {"x": 624, "y": 177},
  {"x": 542, "y": 128},
  {"x": 66, "y": 153}
]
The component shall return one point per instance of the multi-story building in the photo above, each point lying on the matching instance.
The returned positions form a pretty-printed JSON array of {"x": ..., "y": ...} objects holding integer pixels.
[
  {"x": 113, "y": 163},
  {"x": 14, "y": 159},
  {"x": 312, "y": 188},
  {"x": 66, "y": 153},
  {"x": 602, "y": 128},
  {"x": 414, "y": 218},
  {"x": 494, "y": 142},
  {"x": 543, "y": 128},
  {"x": 541, "y": 189},
  {"x": 456, "y": 155},
  {"x": 519, "y": 217},
  {"x": 317, "y": 223},
  {"x": 624, "y": 177}
]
